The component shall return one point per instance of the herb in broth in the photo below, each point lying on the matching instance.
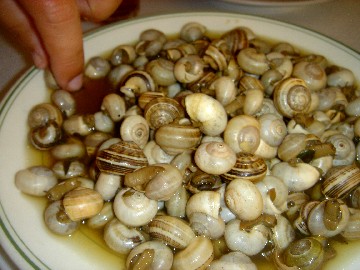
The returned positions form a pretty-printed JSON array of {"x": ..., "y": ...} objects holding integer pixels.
[{"x": 222, "y": 143}]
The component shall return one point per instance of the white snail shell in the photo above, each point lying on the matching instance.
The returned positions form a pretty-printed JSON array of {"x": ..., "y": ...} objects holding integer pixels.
[
  {"x": 242, "y": 134},
  {"x": 133, "y": 208},
  {"x": 244, "y": 199},
  {"x": 215, "y": 157},
  {"x": 208, "y": 112}
]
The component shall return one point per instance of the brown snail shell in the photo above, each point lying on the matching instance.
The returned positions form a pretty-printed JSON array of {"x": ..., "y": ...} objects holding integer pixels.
[
  {"x": 173, "y": 231},
  {"x": 121, "y": 158},
  {"x": 176, "y": 137},
  {"x": 340, "y": 181},
  {"x": 247, "y": 166},
  {"x": 82, "y": 203}
]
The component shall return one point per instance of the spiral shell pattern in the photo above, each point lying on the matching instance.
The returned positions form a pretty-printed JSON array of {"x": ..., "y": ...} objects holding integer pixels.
[
  {"x": 247, "y": 166},
  {"x": 121, "y": 158}
]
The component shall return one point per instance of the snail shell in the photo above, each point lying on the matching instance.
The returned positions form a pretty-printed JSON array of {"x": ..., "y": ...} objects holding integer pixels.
[
  {"x": 36, "y": 180},
  {"x": 114, "y": 105},
  {"x": 65, "y": 169},
  {"x": 189, "y": 68},
  {"x": 122, "y": 54},
  {"x": 137, "y": 82},
  {"x": 155, "y": 154},
  {"x": 250, "y": 242},
  {"x": 72, "y": 149},
  {"x": 192, "y": 31},
  {"x": 161, "y": 111},
  {"x": 177, "y": 137},
  {"x": 292, "y": 145},
  {"x": 339, "y": 181},
  {"x": 297, "y": 177},
  {"x": 121, "y": 238},
  {"x": 272, "y": 129},
  {"x": 345, "y": 149},
  {"x": 244, "y": 199},
  {"x": 236, "y": 39},
  {"x": 242, "y": 134},
  {"x": 47, "y": 136},
  {"x": 121, "y": 158},
  {"x": 352, "y": 109},
  {"x": 107, "y": 185},
  {"x": 337, "y": 217},
  {"x": 215, "y": 57},
  {"x": 234, "y": 260},
  {"x": 161, "y": 257},
  {"x": 207, "y": 202},
  {"x": 282, "y": 233},
  {"x": 352, "y": 229},
  {"x": 312, "y": 73},
  {"x": 162, "y": 71},
  {"x": 82, "y": 203},
  {"x": 133, "y": 208},
  {"x": 292, "y": 96},
  {"x": 97, "y": 67},
  {"x": 176, "y": 205},
  {"x": 197, "y": 255},
  {"x": 302, "y": 251},
  {"x": 274, "y": 193},
  {"x": 57, "y": 222},
  {"x": 341, "y": 77},
  {"x": 247, "y": 166},
  {"x": 135, "y": 128},
  {"x": 206, "y": 111},
  {"x": 215, "y": 157},
  {"x": 172, "y": 231},
  {"x": 164, "y": 184},
  {"x": 64, "y": 101},
  {"x": 102, "y": 218},
  {"x": 203, "y": 224},
  {"x": 252, "y": 61},
  {"x": 42, "y": 114}
]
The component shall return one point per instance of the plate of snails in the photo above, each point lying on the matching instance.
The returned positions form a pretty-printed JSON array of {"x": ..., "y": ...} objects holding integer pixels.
[{"x": 209, "y": 147}]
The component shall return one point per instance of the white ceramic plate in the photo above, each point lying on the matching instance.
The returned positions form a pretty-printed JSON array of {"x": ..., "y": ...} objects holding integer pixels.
[
  {"x": 276, "y": 3},
  {"x": 22, "y": 233}
]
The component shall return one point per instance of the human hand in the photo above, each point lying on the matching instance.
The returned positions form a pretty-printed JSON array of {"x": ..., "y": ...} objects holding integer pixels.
[{"x": 51, "y": 31}]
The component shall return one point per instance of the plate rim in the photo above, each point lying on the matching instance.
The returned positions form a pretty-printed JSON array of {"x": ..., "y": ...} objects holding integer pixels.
[{"x": 10, "y": 244}]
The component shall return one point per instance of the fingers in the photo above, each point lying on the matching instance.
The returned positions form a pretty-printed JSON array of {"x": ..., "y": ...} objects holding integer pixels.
[
  {"x": 59, "y": 27},
  {"x": 21, "y": 29},
  {"x": 97, "y": 10}
]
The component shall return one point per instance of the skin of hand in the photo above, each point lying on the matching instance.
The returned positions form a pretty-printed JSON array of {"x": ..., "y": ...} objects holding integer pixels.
[{"x": 51, "y": 31}]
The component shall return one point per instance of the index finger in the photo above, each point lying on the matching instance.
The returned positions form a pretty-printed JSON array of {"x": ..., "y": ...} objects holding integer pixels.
[{"x": 59, "y": 26}]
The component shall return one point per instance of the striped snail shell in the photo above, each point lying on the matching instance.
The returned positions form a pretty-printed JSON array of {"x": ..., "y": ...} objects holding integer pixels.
[
  {"x": 121, "y": 158},
  {"x": 177, "y": 137},
  {"x": 340, "y": 181},
  {"x": 161, "y": 111},
  {"x": 247, "y": 166}
]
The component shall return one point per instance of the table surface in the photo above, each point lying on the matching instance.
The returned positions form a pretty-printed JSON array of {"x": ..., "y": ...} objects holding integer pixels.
[{"x": 337, "y": 19}]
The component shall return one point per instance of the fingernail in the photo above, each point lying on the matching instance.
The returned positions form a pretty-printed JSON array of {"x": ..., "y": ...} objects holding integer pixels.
[
  {"x": 76, "y": 83},
  {"x": 38, "y": 60}
]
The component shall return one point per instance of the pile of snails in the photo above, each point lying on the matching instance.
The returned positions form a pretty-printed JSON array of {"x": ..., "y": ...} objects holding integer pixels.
[{"x": 208, "y": 153}]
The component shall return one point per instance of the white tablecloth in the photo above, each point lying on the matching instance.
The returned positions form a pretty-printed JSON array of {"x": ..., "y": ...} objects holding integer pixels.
[{"x": 337, "y": 19}]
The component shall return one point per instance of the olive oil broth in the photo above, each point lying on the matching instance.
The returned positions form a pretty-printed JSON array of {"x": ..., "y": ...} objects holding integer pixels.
[{"x": 88, "y": 101}]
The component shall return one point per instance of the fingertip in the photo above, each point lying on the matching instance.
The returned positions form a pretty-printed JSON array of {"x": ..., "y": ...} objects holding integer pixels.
[
  {"x": 39, "y": 60},
  {"x": 75, "y": 84}
]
